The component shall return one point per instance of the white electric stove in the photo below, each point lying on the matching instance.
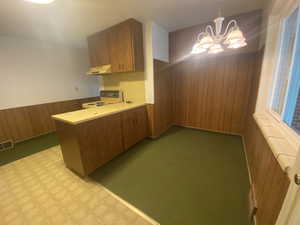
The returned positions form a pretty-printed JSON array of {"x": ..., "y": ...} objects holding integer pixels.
[{"x": 106, "y": 97}]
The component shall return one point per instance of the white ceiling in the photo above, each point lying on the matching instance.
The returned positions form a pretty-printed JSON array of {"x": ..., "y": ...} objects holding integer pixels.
[{"x": 70, "y": 21}]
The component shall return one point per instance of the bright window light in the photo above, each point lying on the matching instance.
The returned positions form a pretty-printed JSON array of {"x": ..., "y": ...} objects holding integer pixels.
[
  {"x": 286, "y": 91},
  {"x": 40, "y": 1}
]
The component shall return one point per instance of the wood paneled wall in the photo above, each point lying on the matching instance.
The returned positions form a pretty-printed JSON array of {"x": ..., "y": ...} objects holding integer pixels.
[
  {"x": 219, "y": 93},
  {"x": 213, "y": 93},
  {"x": 255, "y": 84},
  {"x": 182, "y": 41},
  {"x": 161, "y": 113},
  {"x": 22, "y": 123},
  {"x": 269, "y": 180}
]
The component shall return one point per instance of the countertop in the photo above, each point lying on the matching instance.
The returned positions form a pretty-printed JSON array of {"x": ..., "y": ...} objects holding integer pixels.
[{"x": 85, "y": 115}]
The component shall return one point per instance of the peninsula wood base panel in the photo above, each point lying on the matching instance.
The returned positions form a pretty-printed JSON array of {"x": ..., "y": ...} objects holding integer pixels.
[{"x": 89, "y": 145}]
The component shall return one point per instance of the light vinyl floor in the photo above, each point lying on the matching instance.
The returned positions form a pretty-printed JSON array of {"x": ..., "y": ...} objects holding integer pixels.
[{"x": 40, "y": 190}]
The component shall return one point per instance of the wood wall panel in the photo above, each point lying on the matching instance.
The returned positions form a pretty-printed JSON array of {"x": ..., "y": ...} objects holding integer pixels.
[
  {"x": 161, "y": 112},
  {"x": 22, "y": 123},
  {"x": 269, "y": 180},
  {"x": 213, "y": 93}
]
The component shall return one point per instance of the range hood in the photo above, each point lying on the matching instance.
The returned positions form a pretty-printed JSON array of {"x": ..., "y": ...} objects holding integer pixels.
[{"x": 100, "y": 70}]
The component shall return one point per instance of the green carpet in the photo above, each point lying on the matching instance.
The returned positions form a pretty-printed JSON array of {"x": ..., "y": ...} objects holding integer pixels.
[
  {"x": 186, "y": 177},
  {"x": 28, "y": 147}
]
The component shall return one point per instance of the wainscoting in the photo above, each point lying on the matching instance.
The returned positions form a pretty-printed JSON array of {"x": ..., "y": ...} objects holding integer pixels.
[
  {"x": 219, "y": 93},
  {"x": 269, "y": 180},
  {"x": 161, "y": 113},
  {"x": 22, "y": 123},
  {"x": 213, "y": 93}
]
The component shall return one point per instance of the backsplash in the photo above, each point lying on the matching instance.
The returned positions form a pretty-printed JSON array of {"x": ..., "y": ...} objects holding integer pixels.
[{"x": 132, "y": 84}]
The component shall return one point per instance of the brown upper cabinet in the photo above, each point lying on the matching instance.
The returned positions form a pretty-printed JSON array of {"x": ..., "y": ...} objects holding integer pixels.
[
  {"x": 99, "y": 49},
  {"x": 121, "y": 46}
]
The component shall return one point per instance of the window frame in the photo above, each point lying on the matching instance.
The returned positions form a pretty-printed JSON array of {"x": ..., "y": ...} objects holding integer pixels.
[
  {"x": 276, "y": 115},
  {"x": 280, "y": 117},
  {"x": 287, "y": 113}
]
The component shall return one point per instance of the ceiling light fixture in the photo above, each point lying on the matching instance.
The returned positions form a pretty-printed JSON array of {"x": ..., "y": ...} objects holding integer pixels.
[
  {"x": 214, "y": 41},
  {"x": 40, "y": 1},
  {"x": 216, "y": 48}
]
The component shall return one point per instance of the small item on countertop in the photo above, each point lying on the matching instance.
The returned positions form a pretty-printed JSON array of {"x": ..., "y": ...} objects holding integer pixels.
[{"x": 128, "y": 102}]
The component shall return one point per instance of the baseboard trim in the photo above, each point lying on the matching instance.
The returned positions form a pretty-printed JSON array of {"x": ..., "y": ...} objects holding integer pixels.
[
  {"x": 210, "y": 130},
  {"x": 33, "y": 137},
  {"x": 249, "y": 171},
  {"x": 247, "y": 160},
  {"x": 195, "y": 128},
  {"x": 162, "y": 132}
]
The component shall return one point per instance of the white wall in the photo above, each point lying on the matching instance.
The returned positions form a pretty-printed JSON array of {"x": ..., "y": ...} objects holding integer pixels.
[
  {"x": 34, "y": 72},
  {"x": 156, "y": 46},
  {"x": 160, "y": 41},
  {"x": 148, "y": 54}
]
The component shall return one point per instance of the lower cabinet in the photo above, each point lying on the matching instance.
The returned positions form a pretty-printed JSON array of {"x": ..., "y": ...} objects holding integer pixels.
[
  {"x": 135, "y": 126},
  {"x": 88, "y": 145},
  {"x": 100, "y": 141}
]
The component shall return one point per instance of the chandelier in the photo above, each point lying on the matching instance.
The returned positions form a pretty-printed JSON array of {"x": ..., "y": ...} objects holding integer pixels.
[{"x": 215, "y": 41}]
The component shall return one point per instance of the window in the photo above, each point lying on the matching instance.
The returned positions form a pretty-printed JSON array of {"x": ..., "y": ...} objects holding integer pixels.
[{"x": 286, "y": 96}]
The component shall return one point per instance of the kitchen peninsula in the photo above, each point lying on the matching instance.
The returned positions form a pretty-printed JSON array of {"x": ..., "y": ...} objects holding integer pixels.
[
  {"x": 91, "y": 137},
  {"x": 106, "y": 128}
]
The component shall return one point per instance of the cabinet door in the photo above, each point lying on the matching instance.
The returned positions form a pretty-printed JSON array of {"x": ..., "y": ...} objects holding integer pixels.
[
  {"x": 100, "y": 141},
  {"x": 121, "y": 48},
  {"x": 113, "y": 136},
  {"x": 135, "y": 126},
  {"x": 99, "y": 49},
  {"x": 129, "y": 128},
  {"x": 142, "y": 123},
  {"x": 92, "y": 45}
]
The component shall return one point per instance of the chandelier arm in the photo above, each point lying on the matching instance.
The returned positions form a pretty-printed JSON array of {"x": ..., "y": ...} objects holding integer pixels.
[
  {"x": 227, "y": 28},
  {"x": 210, "y": 28},
  {"x": 199, "y": 35}
]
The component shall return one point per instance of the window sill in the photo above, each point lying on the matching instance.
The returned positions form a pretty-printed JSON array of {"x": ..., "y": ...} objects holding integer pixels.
[{"x": 280, "y": 141}]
